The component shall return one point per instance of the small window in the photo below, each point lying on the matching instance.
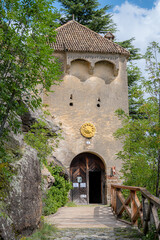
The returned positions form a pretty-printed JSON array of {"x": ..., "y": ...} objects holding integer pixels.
[
  {"x": 98, "y": 105},
  {"x": 70, "y": 104},
  {"x": 71, "y": 97},
  {"x": 99, "y": 100}
]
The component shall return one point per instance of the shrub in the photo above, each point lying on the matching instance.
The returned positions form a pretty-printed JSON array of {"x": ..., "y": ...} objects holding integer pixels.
[{"x": 57, "y": 195}]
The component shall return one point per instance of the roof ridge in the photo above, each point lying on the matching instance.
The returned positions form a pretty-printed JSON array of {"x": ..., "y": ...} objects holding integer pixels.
[
  {"x": 65, "y": 24},
  {"x": 78, "y": 37},
  {"x": 85, "y": 27}
]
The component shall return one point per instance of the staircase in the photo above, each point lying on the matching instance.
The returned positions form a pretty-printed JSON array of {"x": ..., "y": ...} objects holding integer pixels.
[{"x": 90, "y": 222}]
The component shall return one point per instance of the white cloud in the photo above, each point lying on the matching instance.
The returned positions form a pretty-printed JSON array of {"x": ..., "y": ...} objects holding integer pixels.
[{"x": 141, "y": 23}]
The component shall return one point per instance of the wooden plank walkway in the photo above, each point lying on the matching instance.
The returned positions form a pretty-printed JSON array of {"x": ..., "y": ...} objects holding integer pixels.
[{"x": 90, "y": 222}]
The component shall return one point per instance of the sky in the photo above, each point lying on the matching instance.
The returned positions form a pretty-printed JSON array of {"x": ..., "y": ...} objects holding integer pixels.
[{"x": 135, "y": 18}]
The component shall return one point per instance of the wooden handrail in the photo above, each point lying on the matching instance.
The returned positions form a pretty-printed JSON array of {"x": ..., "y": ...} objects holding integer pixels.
[
  {"x": 126, "y": 187},
  {"x": 153, "y": 199},
  {"x": 146, "y": 209}
]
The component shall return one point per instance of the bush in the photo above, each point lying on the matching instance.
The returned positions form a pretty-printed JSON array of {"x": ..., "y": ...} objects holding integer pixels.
[
  {"x": 151, "y": 235},
  {"x": 57, "y": 195}
]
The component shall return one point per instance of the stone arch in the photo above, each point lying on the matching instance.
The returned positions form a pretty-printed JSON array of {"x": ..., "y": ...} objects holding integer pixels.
[
  {"x": 87, "y": 174},
  {"x": 80, "y": 68},
  {"x": 106, "y": 70}
]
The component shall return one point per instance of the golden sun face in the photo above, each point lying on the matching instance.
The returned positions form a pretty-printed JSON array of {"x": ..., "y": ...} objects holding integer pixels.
[{"x": 88, "y": 130}]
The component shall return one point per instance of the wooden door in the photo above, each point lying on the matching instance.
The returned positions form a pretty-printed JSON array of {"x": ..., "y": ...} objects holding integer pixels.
[
  {"x": 79, "y": 192},
  {"x": 81, "y": 166}
]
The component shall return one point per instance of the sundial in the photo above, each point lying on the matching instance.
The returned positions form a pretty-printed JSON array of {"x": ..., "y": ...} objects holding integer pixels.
[{"x": 88, "y": 130}]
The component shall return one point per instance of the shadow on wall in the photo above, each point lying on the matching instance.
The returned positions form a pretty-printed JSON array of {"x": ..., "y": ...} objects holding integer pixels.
[{"x": 83, "y": 70}]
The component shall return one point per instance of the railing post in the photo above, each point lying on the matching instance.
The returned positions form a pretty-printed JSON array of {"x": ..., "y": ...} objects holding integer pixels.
[
  {"x": 111, "y": 196},
  {"x": 133, "y": 207},
  {"x": 146, "y": 214},
  {"x": 118, "y": 201},
  {"x": 114, "y": 199}
]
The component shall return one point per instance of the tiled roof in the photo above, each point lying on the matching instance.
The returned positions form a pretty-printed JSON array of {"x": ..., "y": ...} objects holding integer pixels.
[{"x": 74, "y": 37}]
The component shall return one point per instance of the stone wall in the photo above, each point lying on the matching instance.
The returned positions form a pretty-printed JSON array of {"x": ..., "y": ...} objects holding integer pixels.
[{"x": 89, "y": 96}]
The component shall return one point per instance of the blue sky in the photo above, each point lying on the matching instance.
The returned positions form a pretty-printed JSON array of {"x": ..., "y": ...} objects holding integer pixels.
[
  {"x": 148, "y": 4},
  {"x": 135, "y": 18},
  {"x": 141, "y": 3}
]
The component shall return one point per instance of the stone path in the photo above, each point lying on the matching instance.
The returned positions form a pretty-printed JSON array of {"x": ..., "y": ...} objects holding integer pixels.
[{"x": 90, "y": 222}]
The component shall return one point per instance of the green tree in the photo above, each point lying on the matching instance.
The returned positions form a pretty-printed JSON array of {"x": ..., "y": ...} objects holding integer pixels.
[
  {"x": 140, "y": 137},
  {"x": 26, "y": 60},
  {"x": 87, "y": 13},
  {"x": 134, "y": 52},
  {"x": 135, "y": 93},
  {"x": 152, "y": 57}
]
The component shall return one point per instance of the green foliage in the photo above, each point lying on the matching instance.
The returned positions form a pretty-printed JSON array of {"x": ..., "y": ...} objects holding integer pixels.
[
  {"x": 151, "y": 235},
  {"x": 43, "y": 233},
  {"x": 134, "y": 78},
  {"x": 71, "y": 204},
  {"x": 140, "y": 136},
  {"x": 26, "y": 60},
  {"x": 88, "y": 13},
  {"x": 8, "y": 155},
  {"x": 43, "y": 139},
  {"x": 134, "y": 52},
  {"x": 57, "y": 195},
  {"x": 139, "y": 152},
  {"x": 135, "y": 90}
]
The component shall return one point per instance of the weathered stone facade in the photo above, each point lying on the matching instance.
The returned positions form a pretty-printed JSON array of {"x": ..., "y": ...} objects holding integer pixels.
[{"x": 94, "y": 86}]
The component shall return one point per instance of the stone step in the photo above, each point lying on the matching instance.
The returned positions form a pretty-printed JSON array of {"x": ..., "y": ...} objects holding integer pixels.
[
  {"x": 97, "y": 234},
  {"x": 90, "y": 223}
]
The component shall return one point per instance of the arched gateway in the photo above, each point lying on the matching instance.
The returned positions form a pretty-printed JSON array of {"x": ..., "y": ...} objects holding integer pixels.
[
  {"x": 94, "y": 86},
  {"x": 88, "y": 177}
]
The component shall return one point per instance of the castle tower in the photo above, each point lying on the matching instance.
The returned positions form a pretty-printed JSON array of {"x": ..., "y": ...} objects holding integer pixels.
[{"x": 94, "y": 86}]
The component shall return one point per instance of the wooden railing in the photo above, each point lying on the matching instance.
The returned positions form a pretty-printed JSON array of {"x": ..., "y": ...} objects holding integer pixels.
[{"x": 145, "y": 209}]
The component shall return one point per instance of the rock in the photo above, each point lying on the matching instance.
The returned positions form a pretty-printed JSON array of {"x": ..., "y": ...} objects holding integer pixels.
[
  {"x": 25, "y": 196},
  {"x": 48, "y": 179},
  {"x": 24, "y": 205},
  {"x": 21, "y": 213},
  {"x": 52, "y": 160},
  {"x": 30, "y": 117}
]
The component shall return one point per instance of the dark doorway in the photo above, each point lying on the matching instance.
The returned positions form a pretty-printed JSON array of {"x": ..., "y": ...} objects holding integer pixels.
[
  {"x": 95, "y": 187},
  {"x": 87, "y": 173}
]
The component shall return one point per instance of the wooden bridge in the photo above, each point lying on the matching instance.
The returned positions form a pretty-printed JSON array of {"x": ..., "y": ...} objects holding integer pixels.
[
  {"x": 139, "y": 207},
  {"x": 139, "y": 204}
]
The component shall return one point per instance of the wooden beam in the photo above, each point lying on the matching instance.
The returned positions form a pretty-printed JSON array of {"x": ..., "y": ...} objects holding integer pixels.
[
  {"x": 156, "y": 218},
  {"x": 124, "y": 206},
  {"x": 153, "y": 199},
  {"x": 126, "y": 187},
  {"x": 87, "y": 178}
]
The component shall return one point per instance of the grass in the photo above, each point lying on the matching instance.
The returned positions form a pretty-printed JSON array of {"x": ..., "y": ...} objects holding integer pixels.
[
  {"x": 43, "y": 233},
  {"x": 71, "y": 204}
]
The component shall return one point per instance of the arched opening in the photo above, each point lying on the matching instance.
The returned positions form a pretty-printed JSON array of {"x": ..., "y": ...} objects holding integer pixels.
[
  {"x": 80, "y": 68},
  {"x": 105, "y": 70},
  {"x": 87, "y": 173}
]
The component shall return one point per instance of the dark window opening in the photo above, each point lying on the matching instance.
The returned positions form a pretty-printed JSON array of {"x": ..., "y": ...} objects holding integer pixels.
[
  {"x": 71, "y": 104},
  {"x": 71, "y": 97},
  {"x": 98, "y": 105},
  {"x": 99, "y": 99},
  {"x": 95, "y": 187}
]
